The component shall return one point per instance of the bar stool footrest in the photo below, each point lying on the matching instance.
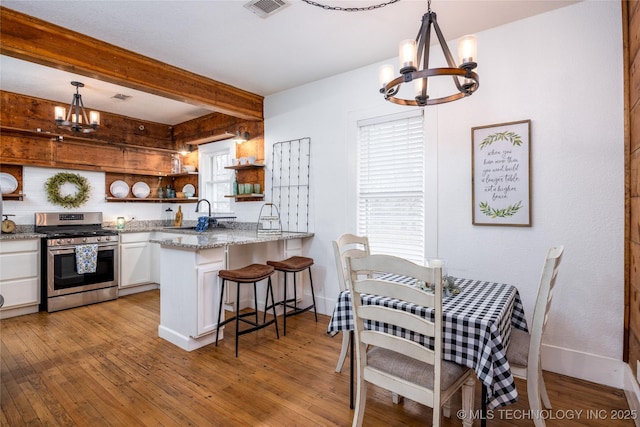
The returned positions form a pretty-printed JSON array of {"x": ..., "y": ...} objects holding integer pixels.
[{"x": 296, "y": 310}]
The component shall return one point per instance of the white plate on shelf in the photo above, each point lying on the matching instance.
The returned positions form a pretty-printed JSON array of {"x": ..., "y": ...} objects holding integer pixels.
[
  {"x": 189, "y": 189},
  {"x": 119, "y": 189},
  {"x": 8, "y": 183},
  {"x": 140, "y": 190}
]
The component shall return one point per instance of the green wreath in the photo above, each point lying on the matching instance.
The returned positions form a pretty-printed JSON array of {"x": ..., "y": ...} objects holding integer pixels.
[{"x": 53, "y": 184}]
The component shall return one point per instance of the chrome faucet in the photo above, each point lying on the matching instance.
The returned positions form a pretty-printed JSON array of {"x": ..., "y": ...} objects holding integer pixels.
[{"x": 198, "y": 205}]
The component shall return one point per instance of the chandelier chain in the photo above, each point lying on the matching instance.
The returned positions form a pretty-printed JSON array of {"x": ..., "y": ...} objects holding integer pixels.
[{"x": 350, "y": 9}]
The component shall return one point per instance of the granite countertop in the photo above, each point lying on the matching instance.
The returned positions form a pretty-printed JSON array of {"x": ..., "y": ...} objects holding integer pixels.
[
  {"x": 221, "y": 237},
  {"x": 227, "y": 234},
  {"x": 21, "y": 235}
]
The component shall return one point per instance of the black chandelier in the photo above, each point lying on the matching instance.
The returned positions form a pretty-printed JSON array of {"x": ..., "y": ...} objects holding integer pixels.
[
  {"x": 76, "y": 119},
  {"x": 413, "y": 52}
]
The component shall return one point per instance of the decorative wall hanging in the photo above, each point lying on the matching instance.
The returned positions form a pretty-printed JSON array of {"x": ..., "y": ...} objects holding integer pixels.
[
  {"x": 53, "y": 185},
  {"x": 501, "y": 179},
  {"x": 290, "y": 179}
]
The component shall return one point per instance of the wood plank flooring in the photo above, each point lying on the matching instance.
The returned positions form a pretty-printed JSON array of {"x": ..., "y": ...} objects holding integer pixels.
[{"x": 104, "y": 365}]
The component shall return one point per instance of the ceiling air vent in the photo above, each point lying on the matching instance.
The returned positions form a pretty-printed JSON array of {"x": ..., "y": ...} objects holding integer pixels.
[
  {"x": 266, "y": 8},
  {"x": 121, "y": 97}
]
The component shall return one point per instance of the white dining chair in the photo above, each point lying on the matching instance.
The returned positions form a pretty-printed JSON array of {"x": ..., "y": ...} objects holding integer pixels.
[
  {"x": 399, "y": 364},
  {"x": 523, "y": 353},
  {"x": 347, "y": 245}
]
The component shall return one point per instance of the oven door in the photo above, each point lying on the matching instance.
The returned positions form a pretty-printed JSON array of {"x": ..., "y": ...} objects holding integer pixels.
[{"x": 63, "y": 277}]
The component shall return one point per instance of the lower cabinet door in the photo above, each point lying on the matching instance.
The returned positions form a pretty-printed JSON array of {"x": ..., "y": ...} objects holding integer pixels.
[
  {"x": 135, "y": 264},
  {"x": 208, "y": 296}
]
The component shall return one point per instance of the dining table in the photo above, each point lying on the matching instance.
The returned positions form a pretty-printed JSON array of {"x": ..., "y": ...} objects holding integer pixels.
[{"x": 477, "y": 321}]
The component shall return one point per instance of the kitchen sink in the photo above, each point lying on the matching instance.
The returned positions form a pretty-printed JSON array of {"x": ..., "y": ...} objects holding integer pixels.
[{"x": 170, "y": 227}]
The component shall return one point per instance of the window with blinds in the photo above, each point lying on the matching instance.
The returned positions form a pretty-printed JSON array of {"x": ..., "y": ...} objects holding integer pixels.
[
  {"x": 215, "y": 180},
  {"x": 391, "y": 199}
]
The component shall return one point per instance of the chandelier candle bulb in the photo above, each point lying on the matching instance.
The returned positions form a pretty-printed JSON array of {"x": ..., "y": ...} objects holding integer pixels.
[
  {"x": 94, "y": 118},
  {"x": 407, "y": 56},
  {"x": 467, "y": 50},
  {"x": 419, "y": 86},
  {"x": 60, "y": 113},
  {"x": 385, "y": 75}
]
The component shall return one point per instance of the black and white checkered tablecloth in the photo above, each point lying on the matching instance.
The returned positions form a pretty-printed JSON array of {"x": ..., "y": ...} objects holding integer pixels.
[{"x": 476, "y": 330}]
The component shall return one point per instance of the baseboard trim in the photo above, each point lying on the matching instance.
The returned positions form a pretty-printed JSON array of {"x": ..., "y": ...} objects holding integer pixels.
[{"x": 585, "y": 366}]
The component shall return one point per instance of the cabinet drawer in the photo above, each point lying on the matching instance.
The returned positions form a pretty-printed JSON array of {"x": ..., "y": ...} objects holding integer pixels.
[
  {"x": 7, "y": 246},
  {"x": 18, "y": 265},
  {"x": 293, "y": 244},
  {"x": 20, "y": 292},
  {"x": 134, "y": 237}
]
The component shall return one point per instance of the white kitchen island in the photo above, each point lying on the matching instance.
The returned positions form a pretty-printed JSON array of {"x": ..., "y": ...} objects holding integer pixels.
[{"x": 189, "y": 283}]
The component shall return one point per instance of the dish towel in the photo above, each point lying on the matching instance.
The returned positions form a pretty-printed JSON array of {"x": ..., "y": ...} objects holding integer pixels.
[
  {"x": 203, "y": 223},
  {"x": 86, "y": 258}
]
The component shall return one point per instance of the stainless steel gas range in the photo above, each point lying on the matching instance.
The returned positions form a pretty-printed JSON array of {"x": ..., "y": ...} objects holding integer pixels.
[{"x": 62, "y": 285}]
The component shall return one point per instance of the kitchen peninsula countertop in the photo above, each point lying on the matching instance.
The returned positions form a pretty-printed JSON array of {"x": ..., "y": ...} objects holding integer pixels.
[{"x": 219, "y": 237}]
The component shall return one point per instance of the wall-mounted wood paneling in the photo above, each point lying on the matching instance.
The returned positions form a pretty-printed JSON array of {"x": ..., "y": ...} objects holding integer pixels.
[
  {"x": 30, "y": 113},
  {"x": 217, "y": 124},
  {"x": 631, "y": 31}
]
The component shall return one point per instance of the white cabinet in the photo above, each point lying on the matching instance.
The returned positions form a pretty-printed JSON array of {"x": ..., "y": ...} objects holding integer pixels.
[
  {"x": 189, "y": 296},
  {"x": 208, "y": 295},
  {"x": 135, "y": 260},
  {"x": 19, "y": 276}
]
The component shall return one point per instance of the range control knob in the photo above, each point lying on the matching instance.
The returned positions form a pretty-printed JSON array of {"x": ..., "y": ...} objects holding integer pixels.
[
  {"x": 84, "y": 239},
  {"x": 69, "y": 240},
  {"x": 98, "y": 239}
]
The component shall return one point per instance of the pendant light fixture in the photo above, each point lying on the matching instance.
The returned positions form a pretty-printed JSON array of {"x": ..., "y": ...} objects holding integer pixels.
[
  {"x": 241, "y": 136},
  {"x": 76, "y": 119},
  {"x": 416, "y": 52}
]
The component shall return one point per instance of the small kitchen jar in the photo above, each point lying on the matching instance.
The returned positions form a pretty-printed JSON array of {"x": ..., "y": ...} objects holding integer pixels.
[
  {"x": 176, "y": 163},
  {"x": 120, "y": 223},
  {"x": 167, "y": 217}
]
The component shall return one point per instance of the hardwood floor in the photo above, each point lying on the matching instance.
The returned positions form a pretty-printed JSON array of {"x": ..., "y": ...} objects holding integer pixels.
[{"x": 104, "y": 365}]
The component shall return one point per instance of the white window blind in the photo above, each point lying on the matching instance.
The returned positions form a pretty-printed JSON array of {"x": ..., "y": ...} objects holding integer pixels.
[
  {"x": 216, "y": 181},
  {"x": 391, "y": 184}
]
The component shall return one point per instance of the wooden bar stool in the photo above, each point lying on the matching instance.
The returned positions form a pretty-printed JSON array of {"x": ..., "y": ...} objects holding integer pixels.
[
  {"x": 294, "y": 265},
  {"x": 250, "y": 274}
]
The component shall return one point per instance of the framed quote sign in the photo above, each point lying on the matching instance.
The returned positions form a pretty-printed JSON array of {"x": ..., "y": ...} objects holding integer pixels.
[{"x": 500, "y": 177}]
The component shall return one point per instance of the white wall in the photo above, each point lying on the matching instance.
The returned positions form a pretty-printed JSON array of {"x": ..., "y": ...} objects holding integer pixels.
[{"x": 562, "y": 70}]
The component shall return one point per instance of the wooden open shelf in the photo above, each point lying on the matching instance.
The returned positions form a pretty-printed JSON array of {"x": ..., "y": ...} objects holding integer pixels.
[
  {"x": 152, "y": 200},
  {"x": 176, "y": 180},
  {"x": 249, "y": 173},
  {"x": 16, "y": 172}
]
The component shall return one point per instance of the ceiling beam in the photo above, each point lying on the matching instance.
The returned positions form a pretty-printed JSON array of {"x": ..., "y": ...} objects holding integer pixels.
[{"x": 34, "y": 40}]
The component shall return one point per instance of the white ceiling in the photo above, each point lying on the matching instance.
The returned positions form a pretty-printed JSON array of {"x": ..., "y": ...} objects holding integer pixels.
[{"x": 224, "y": 41}]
